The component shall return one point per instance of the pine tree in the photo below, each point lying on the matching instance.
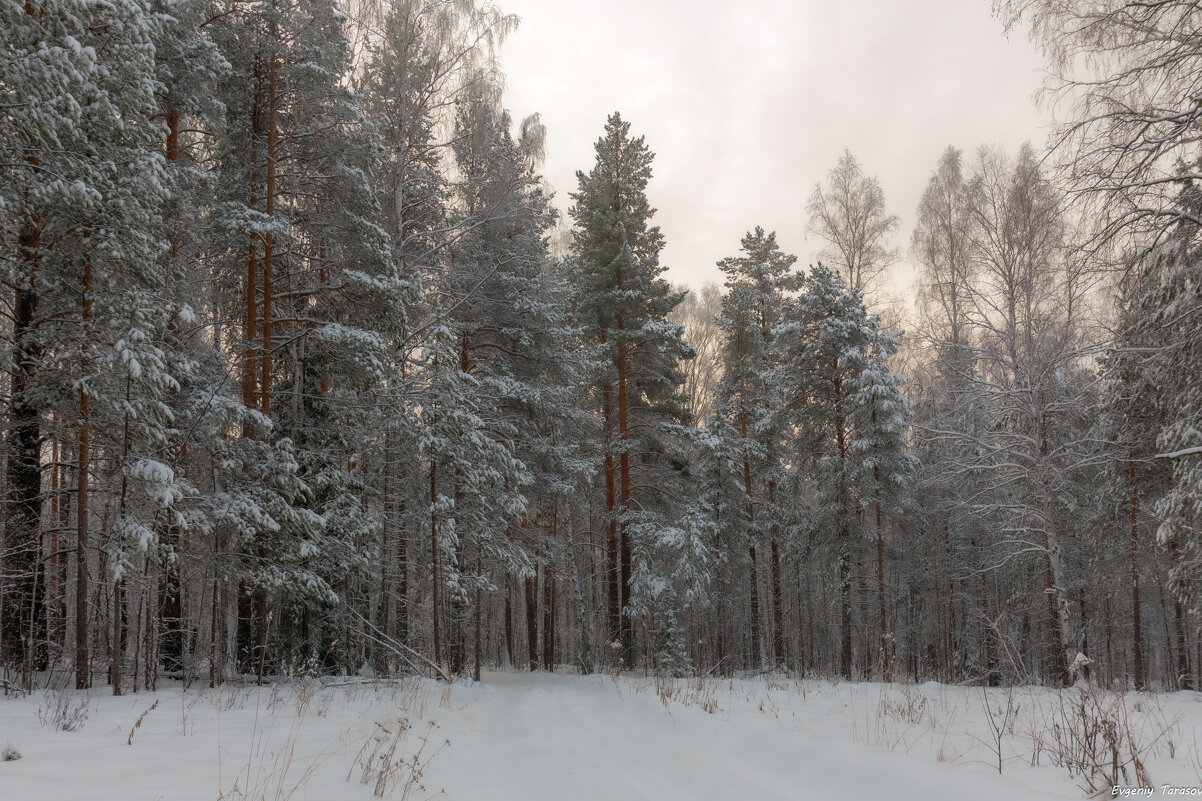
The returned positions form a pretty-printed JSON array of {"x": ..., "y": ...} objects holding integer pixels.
[
  {"x": 1134, "y": 414},
  {"x": 825, "y": 336},
  {"x": 87, "y": 223},
  {"x": 623, "y": 303},
  {"x": 750, "y": 399},
  {"x": 1165, "y": 350},
  {"x": 886, "y": 465}
]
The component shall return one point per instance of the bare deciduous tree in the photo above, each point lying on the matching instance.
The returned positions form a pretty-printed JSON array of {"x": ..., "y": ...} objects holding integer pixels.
[
  {"x": 698, "y": 313},
  {"x": 848, "y": 213},
  {"x": 1125, "y": 73}
]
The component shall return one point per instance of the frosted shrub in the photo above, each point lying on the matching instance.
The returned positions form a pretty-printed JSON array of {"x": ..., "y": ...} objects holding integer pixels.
[
  {"x": 63, "y": 711},
  {"x": 1097, "y": 739},
  {"x": 385, "y": 768}
]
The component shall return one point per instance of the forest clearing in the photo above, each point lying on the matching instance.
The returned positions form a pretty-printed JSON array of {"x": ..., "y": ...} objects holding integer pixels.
[{"x": 550, "y": 737}]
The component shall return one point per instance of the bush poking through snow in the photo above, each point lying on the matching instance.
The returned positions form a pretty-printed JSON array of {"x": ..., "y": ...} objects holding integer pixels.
[
  {"x": 909, "y": 708},
  {"x": 9, "y": 754},
  {"x": 63, "y": 710},
  {"x": 1000, "y": 719},
  {"x": 1096, "y": 739},
  {"x": 385, "y": 769},
  {"x": 696, "y": 692}
]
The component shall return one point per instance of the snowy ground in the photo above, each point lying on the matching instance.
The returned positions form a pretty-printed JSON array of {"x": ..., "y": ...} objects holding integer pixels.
[{"x": 539, "y": 737}]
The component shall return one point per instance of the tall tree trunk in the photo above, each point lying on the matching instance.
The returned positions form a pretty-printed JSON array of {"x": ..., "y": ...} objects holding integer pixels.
[
  {"x": 509, "y": 656},
  {"x": 886, "y": 656},
  {"x": 532, "y": 619},
  {"x": 780, "y": 652},
  {"x": 1184, "y": 678},
  {"x": 778, "y": 608},
  {"x": 21, "y": 635},
  {"x": 479, "y": 611},
  {"x": 170, "y": 608},
  {"x": 216, "y": 629},
  {"x": 434, "y": 577},
  {"x": 55, "y": 613},
  {"x": 260, "y": 595},
  {"x": 756, "y": 659},
  {"x": 83, "y": 670},
  {"x": 1056, "y": 584},
  {"x": 1137, "y": 634},
  {"x": 548, "y": 620},
  {"x": 718, "y": 612},
  {"x": 584, "y": 656},
  {"x": 845, "y": 654},
  {"x": 250, "y": 322},
  {"x": 626, "y": 622},
  {"x": 118, "y": 638},
  {"x": 458, "y": 655},
  {"x": 250, "y": 361},
  {"x": 612, "y": 571},
  {"x": 1169, "y": 643},
  {"x": 402, "y": 569},
  {"x": 384, "y": 613},
  {"x": 845, "y": 660}
]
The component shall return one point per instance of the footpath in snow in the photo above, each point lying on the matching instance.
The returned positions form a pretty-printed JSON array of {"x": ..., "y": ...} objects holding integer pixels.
[{"x": 548, "y": 737}]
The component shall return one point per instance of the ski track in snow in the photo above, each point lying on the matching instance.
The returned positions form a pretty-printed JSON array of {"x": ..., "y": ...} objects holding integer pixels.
[{"x": 546, "y": 737}]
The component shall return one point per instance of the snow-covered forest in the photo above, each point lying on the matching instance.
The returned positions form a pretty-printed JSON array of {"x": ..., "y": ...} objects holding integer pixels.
[{"x": 304, "y": 375}]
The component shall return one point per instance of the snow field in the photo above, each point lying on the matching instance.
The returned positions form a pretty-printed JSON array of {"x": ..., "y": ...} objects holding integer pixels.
[{"x": 549, "y": 737}]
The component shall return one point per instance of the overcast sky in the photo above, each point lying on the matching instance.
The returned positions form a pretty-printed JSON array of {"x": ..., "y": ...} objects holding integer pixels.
[{"x": 748, "y": 104}]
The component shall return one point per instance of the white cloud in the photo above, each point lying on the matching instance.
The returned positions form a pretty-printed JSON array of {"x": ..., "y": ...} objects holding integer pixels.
[{"x": 747, "y": 105}]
